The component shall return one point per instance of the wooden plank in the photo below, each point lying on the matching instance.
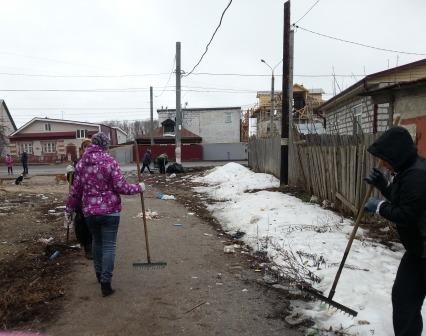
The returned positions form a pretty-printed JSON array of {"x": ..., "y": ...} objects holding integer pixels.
[
  {"x": 343, "y": 170},
  {"x": 336, "y": 173},
  {"x": 347, "y": 203}
]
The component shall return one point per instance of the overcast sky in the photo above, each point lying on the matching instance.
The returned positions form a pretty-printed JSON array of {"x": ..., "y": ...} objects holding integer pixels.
[{"x": 137, "y": 37}]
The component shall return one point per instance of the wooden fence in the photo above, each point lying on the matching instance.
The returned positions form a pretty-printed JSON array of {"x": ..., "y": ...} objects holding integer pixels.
[
  {"x": 264, "y": 155},
  {"x": 333, "y": 167}
]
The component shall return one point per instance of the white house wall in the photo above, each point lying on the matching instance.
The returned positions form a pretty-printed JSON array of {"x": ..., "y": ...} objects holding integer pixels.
[
  {"x": 38, "y": 126},
  {"x": 410, "y": 106},
  {"x": 213, "y": 126},
  {"x": 121, "y": 138},
  {"x": 5, "y": 123}
]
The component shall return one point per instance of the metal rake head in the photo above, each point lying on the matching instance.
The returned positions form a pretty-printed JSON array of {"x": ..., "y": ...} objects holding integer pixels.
[
  {"x": 321, "y": 297},
  {"x": 151, "y": 265}
]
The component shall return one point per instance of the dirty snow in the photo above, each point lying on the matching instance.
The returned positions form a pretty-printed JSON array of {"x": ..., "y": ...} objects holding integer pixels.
[{"x": 275, "y": 222}]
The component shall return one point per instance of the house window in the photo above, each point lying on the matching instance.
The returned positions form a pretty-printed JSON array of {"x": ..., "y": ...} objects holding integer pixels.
[
  {"x": 357, "y": 119},
  {"x": 228, "y": 118},
  {"x": 26, "y": 147},
  {"x": 47, "y": 127},
  {"x": 81, "y": 134},
  {"x": 169, "y": 128},
  {"x": 49, "y": 147}
]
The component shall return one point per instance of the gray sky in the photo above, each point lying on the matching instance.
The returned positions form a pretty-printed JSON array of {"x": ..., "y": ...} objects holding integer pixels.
[{"x": 134, "y": 37}]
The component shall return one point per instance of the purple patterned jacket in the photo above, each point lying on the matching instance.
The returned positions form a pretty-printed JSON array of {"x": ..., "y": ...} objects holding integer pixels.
[{"x": 98, "y": 183}]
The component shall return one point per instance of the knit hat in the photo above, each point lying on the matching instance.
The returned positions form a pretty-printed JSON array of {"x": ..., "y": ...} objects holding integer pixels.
[{"x": 101, "y": 139}]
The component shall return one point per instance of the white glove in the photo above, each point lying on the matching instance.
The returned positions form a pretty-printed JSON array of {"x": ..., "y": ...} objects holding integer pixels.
[{"x": 143, "y": 188}]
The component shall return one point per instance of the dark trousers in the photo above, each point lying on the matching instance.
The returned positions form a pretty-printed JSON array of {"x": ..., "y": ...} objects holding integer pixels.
[
  {"x": 10, "y": 170},
  {"x": 162, "y": 166},
  {"x": 143, "y": 168},
  {"x": 82, "y": 232},
  {"x": 408, "y": 293},
  {"x": 104, "y": 232},
  {"x": 25, "y": 166}
]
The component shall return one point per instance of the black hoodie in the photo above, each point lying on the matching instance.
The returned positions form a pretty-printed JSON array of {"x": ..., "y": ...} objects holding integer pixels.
[{"x": 406, "y": 195}]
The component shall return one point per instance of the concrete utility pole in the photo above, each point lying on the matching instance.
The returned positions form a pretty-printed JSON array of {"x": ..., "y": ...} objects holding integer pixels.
[
  {"x": 178, "y": 129},
  {"x": 287, "y": 99},
  {"x": 151, "y": 126}
]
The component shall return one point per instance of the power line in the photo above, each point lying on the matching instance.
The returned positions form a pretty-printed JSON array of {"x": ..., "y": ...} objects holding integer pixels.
[
  {"x": 211, "y": 39},
  {"x": 170, "y": 76},
  {"x": 79, "y": 108},
  {"x": 83, "y": 76},
  {"x": 307, "y": 12},
  {"x": 359, "y": 44}
]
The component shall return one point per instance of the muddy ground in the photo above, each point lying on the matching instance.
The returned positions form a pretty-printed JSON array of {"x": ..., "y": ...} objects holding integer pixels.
[{"x": 32, "y": 286}]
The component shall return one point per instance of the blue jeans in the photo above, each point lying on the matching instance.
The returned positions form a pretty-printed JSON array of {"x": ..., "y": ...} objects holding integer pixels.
[{"x": 104, "y": 232}]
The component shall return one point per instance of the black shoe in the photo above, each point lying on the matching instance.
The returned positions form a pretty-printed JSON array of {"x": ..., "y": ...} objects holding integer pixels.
[
  {"x": 106, "y": 289},
  {"x": 151, "y": 172},
  {"x": 98, "y": 276}
]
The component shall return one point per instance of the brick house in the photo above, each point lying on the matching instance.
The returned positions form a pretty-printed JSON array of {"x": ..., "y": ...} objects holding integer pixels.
[
  {"x": 52, "y": 140},
  {"x": 362, "y": 108}
]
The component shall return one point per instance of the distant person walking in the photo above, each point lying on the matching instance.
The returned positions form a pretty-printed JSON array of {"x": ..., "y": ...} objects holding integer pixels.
[
  {"x": 9, "y": 164},
  {"x": 146, "y": 162},
  {"x": 24, "y": 160}
]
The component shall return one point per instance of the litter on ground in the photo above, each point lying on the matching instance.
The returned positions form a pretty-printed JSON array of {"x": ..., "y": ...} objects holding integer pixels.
[{"x": 165, "y": 197}]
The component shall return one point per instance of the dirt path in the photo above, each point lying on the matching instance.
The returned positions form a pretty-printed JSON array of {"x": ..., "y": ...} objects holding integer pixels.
[{"x": 158, "y": 302}]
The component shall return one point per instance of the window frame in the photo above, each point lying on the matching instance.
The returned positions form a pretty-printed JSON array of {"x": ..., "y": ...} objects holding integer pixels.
[
  {"x": 26, "y": 147},
  {"x": 228, "y": 118},
  {"x": 357, "y": 119},
  {"x": 50, "y": 146},
  {"x": 79, "y": 132}
]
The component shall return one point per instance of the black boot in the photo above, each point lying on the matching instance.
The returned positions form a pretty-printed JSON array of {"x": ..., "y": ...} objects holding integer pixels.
[
  {"x": 98, "y": 276},
  {"x": 106, "y": 289}
]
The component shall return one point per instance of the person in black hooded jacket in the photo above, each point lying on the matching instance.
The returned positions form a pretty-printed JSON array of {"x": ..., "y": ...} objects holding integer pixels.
[{"x": 405, "y": 205}]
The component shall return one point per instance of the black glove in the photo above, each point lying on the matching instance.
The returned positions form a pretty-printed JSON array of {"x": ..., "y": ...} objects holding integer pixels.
[{"x": 377, "y": 179}]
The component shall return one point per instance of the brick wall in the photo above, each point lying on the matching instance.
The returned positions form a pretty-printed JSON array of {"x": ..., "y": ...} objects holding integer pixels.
[{"x": 341, "y": 120}]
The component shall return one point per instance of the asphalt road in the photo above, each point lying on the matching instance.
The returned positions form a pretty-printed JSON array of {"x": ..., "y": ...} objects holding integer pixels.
[
  {"x": 202, "y": 291},
  {"x": 61, "y": 168}
]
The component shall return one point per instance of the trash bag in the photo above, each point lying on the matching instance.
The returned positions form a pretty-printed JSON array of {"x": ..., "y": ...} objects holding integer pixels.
[{"x": 174, "y": 168}]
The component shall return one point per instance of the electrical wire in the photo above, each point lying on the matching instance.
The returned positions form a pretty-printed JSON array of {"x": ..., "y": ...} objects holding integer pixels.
[
  {"x": 211, "y": 39},
  {"x": 359, "y": 44},
  {"x": 170, "y": 76},
  {"x": 79, "y": 108},
  {"x": 82, "y": 76},
  {"x": 307, "y": 12}
]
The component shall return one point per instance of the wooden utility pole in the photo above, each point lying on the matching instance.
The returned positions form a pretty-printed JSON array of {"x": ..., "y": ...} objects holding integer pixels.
[
  {"x": 286, "y": 101},
  {"x": 151, "y": 125},
  {"x": 178, "y": 127}
]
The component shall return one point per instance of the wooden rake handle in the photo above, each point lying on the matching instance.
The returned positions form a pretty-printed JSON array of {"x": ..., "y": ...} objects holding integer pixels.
[
  {"x": 370, "y": 189},
  {"x": 145, "y": 227}
]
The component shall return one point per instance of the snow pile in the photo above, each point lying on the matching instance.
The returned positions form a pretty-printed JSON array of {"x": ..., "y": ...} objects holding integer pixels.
[
  {"x": 304, "y": 236},
  {"x": 232, "y": 179}
]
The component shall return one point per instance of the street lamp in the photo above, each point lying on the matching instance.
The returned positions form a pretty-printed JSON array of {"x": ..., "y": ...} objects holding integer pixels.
[{"x": 272, "y": 93}]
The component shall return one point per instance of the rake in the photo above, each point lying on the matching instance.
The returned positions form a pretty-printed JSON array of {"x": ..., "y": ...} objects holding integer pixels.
[
  {"x": 329, "y": 299},
  {"x": 149, "y": 264}
]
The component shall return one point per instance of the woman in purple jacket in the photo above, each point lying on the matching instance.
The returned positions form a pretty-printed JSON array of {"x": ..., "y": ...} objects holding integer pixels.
[{"x": 98, "y": 183}]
